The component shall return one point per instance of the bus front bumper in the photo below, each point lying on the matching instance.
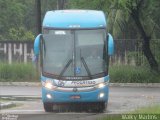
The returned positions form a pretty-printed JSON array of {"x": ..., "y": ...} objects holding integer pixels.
[{"x": 97, "y": 95}]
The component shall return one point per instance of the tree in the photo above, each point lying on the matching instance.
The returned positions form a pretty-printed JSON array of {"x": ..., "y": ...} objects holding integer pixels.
[
  {"x": 140, "y": 11},
  {"x": 12, "y": 20}
]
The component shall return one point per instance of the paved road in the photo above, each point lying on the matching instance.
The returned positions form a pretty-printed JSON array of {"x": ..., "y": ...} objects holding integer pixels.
[
  {"x": 20, "y": 90},
  {"x": 121, "y": 99}
]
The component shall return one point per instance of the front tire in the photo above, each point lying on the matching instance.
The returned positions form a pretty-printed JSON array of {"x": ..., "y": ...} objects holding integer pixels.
[
  {"x": 48, "y": 107},
  {"x": 100, "y": 107}
]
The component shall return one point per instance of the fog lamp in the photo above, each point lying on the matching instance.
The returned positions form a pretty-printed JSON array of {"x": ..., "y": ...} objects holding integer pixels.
[
  {"x": 101, "y": 95},
  {"x": 49, "y": 96}
]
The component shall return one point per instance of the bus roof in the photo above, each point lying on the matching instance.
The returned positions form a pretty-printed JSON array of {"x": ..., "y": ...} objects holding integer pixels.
[{"x": 74, "y": 19}]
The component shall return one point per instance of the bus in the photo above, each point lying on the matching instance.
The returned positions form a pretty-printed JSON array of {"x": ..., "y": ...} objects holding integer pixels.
[{"x": 74, "y": 49}]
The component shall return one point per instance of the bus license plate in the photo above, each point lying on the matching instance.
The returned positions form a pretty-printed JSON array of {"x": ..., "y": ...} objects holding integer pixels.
[{"x": 75, "y": 97}]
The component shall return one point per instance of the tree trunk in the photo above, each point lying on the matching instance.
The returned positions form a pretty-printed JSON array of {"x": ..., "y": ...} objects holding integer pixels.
[
  {"x": 61, "y": 4},
  {"x": 148, "y": 53},
  {"x": 146, "y": 41},
  {"x": 38, "y": 16}
]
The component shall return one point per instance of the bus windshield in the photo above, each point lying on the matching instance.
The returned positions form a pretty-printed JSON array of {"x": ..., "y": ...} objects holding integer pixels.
[{"x": 75, "y": 53}]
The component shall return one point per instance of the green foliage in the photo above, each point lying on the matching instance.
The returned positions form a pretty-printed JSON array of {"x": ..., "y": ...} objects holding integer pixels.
[
  {"x": 18, "y": 18},
  {"x": 90, "y": 4},
  {"x": 20, "y": 14},
  {"x": 145, "y": 111},
  {"x": 17, "y": 72},
  {"x": 111, "y": 117},
  {"x": 155, "y": 47},
  {"x": 20, "y": 34},
  {"x": 148, "y": 13},
  {"x": 133, "y": 74},
  {"x": 138, "y": 57},
  {"x": 13, "y": 22},
  {"x": 154, "y": 109},
  {"x": 120, "y": 23}
]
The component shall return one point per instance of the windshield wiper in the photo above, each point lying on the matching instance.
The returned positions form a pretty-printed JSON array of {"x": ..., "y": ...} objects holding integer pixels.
[
  {"x": 86, "y": 67},
  {"x": 65, "y": 68}
]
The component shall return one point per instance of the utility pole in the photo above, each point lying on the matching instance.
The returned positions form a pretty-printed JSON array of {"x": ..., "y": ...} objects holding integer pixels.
[
  {"x": 38, "y": 16},
  {"x": 38, "y": 31}
]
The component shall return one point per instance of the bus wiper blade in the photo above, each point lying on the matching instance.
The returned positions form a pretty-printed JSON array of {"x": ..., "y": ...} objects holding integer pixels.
[
  {"x": 86, "y": 67},
  {"x": 65, "y": 68}
]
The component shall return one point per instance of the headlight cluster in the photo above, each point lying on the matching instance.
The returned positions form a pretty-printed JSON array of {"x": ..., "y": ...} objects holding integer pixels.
[
  {"x": 101, "y": 85},
  {"x": 49, "y": 85}
]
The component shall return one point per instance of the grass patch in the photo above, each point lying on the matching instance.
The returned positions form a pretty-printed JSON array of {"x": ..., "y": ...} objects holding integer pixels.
[
  {"x": 18, "y": 72},
  {"x": 148, "y": 110},
  {"x": 4, "y": 100},
  {"x": 111, "y": 117},
  {"x": 145, "y": 113},
  {"x": 132, "y": 74}
]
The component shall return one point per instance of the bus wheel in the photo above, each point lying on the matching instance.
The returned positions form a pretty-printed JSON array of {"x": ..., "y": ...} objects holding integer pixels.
[
  {"x": 101, "y": 107},
  {"x": 48, "y": 107}
]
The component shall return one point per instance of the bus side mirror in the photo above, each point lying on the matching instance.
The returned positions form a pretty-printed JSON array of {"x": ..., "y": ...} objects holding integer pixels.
[
  {"x": 37, "y": 47},
  {"x": 110, "y": 44}
]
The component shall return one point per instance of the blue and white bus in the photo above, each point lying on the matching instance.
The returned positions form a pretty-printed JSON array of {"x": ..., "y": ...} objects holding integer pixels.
[{"x": 74, "y": 50}]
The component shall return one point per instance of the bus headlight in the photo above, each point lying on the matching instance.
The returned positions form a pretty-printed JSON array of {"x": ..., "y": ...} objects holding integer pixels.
[
  {"x": 101, "y": 85},
  {"x": 48, "y": 85}
]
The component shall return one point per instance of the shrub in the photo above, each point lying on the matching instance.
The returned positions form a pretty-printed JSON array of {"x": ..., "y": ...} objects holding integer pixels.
[
  {"x": 18, "y": 72},
  {"x": 132, "y": 74}
]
